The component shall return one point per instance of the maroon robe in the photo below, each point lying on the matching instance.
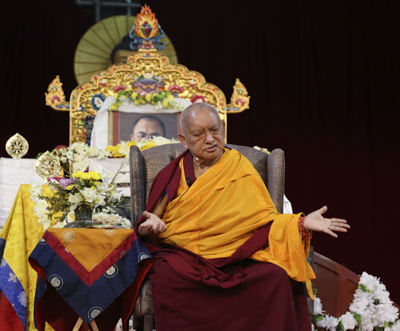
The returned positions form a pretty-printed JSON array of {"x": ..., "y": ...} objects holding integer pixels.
[{"x": 235, "y": 293}]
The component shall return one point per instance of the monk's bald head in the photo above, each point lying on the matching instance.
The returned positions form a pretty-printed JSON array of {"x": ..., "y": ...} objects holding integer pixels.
[{"x": 190, "y": 112}]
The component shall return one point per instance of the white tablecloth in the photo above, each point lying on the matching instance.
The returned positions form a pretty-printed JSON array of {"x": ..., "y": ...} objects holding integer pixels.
[{"x": 13, "y": 173}]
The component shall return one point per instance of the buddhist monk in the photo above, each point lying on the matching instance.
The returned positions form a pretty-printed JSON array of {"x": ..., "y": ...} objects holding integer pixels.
[{"x": 224, "y": 258}]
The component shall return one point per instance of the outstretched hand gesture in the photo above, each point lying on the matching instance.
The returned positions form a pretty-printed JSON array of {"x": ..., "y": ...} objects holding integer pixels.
[{"x": 316, "y": 222}]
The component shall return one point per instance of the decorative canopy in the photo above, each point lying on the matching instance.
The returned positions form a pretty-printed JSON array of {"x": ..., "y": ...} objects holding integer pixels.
[{"x": 87, "y": 98}]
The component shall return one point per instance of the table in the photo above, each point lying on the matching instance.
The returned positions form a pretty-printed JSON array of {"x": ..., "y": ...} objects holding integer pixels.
[
  {"x": 17, "y": 279},
  {"x": 92, "y": 274}
]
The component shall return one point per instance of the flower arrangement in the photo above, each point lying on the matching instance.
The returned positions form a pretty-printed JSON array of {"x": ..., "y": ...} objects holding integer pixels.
[
  {"x": 122, "y": 149},
  {"x": 370, "y": 310},
  {"x": 82, "y": 194},
  {"x": 159, "y": 98},
  {"x": 76, "y": 157}
]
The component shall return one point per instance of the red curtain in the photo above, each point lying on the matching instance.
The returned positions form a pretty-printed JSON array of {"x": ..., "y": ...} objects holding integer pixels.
[{"x": 324, "y": 83}]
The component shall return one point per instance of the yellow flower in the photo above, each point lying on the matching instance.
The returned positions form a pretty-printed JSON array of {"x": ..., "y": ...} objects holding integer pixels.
[
  {"x": 116, "y": 95},
  {"x": 142, "y": 102},
  {"x": 148, "y": 145},
  {"x": 114, "y": 150},
  {"x": 131, "y": 143},
  {"x": 69, "y": 187},
  {"x": 166, "y": 103},
  {"x": 94, "y": 175},
  {"x": 148, "y": 97},
  {"x": 136, "y": 102},
  {"x": 122, "y": 96},
  {"x": 114, "y": 107},
  {"x": 170, "y": 97},
  {"x": 77, "y": 174},
  {"x": 128, "y": 90},
  {"x": 134, "y": 95}
]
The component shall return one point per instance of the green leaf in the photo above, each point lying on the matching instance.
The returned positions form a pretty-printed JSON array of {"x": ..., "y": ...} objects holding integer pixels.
[
  {"x": 315, "y": 291},
  {"x": 364, "y": 288},
  {"x": 340, "y": 326},
  {"x": 378, "y": 328},
  {"x": 317, "y": 318},
  {"x": 376, "y": 302},
  {"x": 357, "y": 317}
]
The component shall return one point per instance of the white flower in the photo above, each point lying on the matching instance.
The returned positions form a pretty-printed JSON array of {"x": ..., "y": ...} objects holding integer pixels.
[
  {"x": 70, "y": 217},
  {"x": 105, "y": 175},
  {"x": 370, "y": 282},
  {"x": 78, "y": 157},
  {"x": 75, "y": 200},
  {"x": 366, "y": 323},
  {"x": 89, "y": 194},
  {"x": 102, "y": 154},
  {"x": 318, "y": 306},
  {"x": 124, "y": 149},
  {"x": 396, "y": 326},
  {"x": 126, "y": 223},
  {"x": 92, "y": 151},
  {"x": 348, "y": 321},
  {"x": 40, "y": 208},
  {"x": 80, "y": 165},
  {"x": 329, "y": 322},
  {"x": 99, "y": 200},
  {"x": 70, "y": 155},
  {"x": 115, "y": 196}
]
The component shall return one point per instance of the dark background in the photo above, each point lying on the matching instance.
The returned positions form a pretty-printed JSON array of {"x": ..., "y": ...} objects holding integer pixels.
[{"x": 324, "y": 83}]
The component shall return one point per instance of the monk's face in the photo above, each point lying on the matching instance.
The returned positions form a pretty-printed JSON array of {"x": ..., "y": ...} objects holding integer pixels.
[{"x": 205, "y": 134}]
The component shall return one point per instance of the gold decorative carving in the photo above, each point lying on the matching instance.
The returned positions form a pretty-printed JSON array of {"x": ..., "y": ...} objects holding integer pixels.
[
  {"x": 47, "y": 165},
  {"x": 86, "y": 99},
  {"x": 240, "y": 99},
  {"x": 104, "y": 82},
  {"x": 17, "y": 146},
  {"x": 55, "y": 97}
]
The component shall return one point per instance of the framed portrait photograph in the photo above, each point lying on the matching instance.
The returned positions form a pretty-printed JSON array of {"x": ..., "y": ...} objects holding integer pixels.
[{"x": 135, "y": 126}]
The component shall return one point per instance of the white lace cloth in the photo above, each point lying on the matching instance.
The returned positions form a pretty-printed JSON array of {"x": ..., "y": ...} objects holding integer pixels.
[{"x": 13, "y": 173}]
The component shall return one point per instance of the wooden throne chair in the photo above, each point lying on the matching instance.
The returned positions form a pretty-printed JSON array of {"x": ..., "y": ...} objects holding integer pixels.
[{"x": 145, "y": 165}]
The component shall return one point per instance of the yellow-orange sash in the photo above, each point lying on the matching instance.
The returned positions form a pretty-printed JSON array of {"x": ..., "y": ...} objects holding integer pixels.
[{"x": 224, "y": 208}]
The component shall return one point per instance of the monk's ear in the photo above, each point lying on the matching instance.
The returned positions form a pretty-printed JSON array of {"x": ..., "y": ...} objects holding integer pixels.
[{"x": 182, "y": 139}]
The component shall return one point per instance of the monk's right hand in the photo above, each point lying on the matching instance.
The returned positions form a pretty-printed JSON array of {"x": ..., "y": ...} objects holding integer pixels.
[{"x": 152, "y": 226}]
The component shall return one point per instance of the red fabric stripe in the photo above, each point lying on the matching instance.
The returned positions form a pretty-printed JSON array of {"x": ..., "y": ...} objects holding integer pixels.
[
  {"x": 159, "y": 184},
  {"x": 88, "y": 277},
  {"x": 9, "y": 320}
]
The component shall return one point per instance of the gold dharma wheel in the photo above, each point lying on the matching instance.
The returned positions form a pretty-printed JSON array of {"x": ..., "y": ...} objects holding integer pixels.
[
  {"x": 95, "y": 47},
  {"x": 17, "y": 146},
  {"x": 47, "y": 165}
]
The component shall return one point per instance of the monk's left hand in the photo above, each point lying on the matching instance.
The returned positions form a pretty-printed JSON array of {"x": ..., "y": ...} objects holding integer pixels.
[{"x": 316, "y": 222}]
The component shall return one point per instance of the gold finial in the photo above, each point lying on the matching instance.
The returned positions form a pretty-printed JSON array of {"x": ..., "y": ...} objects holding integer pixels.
[
  {"x": 240, "y": 98},
  {"x": 47, "y": 165},
  {"x": 17, "y": 146}
]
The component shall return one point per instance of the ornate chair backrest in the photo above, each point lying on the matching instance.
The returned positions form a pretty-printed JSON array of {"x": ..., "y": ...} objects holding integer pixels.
[{"x": 145, "y": 165}]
